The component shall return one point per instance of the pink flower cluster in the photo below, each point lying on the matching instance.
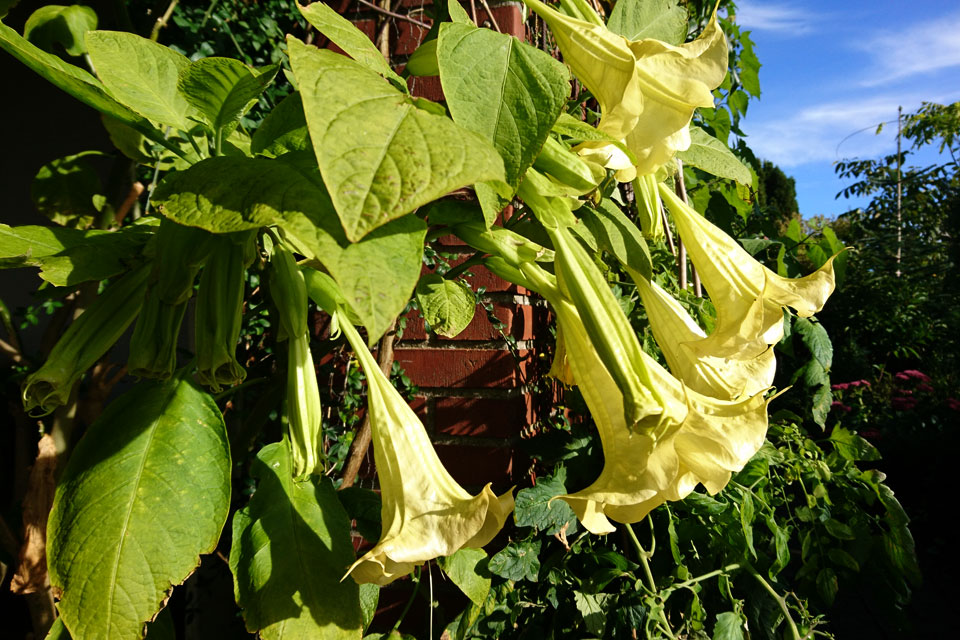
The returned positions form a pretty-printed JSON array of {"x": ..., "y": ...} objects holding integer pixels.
[
  {"x": 912, "y": 373},
  {"x": 953, "y": 403},
  {"x": 842, "y": 407},
  {"x": 842, "y": 386}
]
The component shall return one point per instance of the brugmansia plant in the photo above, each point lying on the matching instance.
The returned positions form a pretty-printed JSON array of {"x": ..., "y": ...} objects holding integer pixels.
[{"x": 330, "y": 200}]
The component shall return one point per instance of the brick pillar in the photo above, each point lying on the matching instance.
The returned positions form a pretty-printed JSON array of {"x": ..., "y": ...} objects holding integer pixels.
[{"x": 475, "y": 396}]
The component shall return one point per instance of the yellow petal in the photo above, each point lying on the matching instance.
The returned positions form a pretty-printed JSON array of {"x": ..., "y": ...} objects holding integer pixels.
[
  {"x": 425, "y": 513},
  {"x": 686, "y": 348},
  {"x": 749, "y": 298},
  {"x": 702, "y": 440},
  {"x": 603, "y": 62}
]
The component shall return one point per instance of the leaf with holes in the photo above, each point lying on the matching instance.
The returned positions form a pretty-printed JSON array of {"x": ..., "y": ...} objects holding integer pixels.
[
  {"x": 291, "y": 547},
  {"x": 146, "y": 491},
  {"x": 381, "y": 156}
]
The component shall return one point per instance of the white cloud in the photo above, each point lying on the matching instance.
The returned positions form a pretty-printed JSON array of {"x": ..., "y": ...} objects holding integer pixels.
[
  {"x": 921, "y": 48},
  {"x": 833, "y": 130},
  {"x": 773, "y": 17}
]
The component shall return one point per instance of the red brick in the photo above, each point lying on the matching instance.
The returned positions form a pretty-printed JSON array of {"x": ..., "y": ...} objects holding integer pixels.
[
  {"x": 475, "y": 466},
  {"x": 519, "y": 321},
  {"x": 483, "y": 417},
  {"x": 464, "y": 368},
  {"x": 425, "y": 87}
]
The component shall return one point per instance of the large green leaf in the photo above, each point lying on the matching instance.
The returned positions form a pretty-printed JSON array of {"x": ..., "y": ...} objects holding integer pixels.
[
  {"x": 729, "y": 625},
  {"x": 618, "y": 235},
  {"x": 659, "y": 19},
  {"x": 381, "y": 157},
  {"x": 354, "y": 42},
  {"x": 142, "y": 75},
  {"x": 291, "y": 547},
  {"x": 64, "y": 190},
  {"x": 517, "y": 561},
  {"x": 222, "y": 89},
  {"x": 447, "y": 305},
  {"x": 222, "y": 195},
  {"x": 507, "y": 91},
  {"x": 57, "y": 24},
  {"x": 78, "y": 83},
  {"x": 535, "y": 509},
  {"x": 467, "y": 568},
  {"x": 146, "y": 491},
  {"x": 711, "y": 155},
  {"x": 70, "y": 256}
]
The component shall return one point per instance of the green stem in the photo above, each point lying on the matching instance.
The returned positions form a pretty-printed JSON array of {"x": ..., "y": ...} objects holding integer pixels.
[
  {"x": 644, "y": 557},
  {"x": 474, "y": 260},
  {"x": 706, "y": 576},
  {"x": 781, "y": 602},
  {"x": 232, "y": 390},
  {"x": 416, "y": 587}
]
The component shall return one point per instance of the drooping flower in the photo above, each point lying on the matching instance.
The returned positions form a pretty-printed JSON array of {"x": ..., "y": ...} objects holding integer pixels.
[
  {"x": 647, "y": 89},
  {"x": 686, "y": 348},
  {"x": 749, "y": 297},
  {"x": 425, "y": 513},
  {"x": 699, "y": 440}
]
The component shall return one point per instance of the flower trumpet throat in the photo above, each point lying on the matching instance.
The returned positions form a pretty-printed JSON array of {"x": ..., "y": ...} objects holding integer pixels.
[
  {"x": 85, "y": 341},
  {"x": 425, "y": 513}
]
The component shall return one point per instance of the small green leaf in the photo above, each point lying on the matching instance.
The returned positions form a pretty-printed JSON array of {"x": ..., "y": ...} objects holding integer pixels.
[
  {"x": 534, "y": 509},
  {"x": 283, "y": 130},
  {"x": 827, "y": 585},
  {"x": 593, "y": 607},
  {"x": 157, "y": 460},
  {"x": 843, "y": 559},
  {"x": 369, "y": 598},
  {"x": 852, "y": 447},
  {"x": 56, "y": 24},
  {"x": 142, "y": 75},
  {"x": 70, "y": 256},
  {"x": 713, "y": 156},
  {"x": 820, "y": 407},
  {"x": 815, "y": 338},
  {"x": 659, "y": 19},
  {"x": 729, "y": 625},
  {"x": 447, "y": 305},
  {"x": 406, "y": 156},
  {"x": 781, "y": 540},
  {"x": 746, "y": 521},
  {"x": 901, "y": 550},
  {"x": 291, "y": 547},
  {"x": 221, "y": 90},
  {"x": 517, "y": 561},
  {"x": 839, "y": 530},
  {"x": 467, "y": 568},
  {"x": 345, "y": 35}
]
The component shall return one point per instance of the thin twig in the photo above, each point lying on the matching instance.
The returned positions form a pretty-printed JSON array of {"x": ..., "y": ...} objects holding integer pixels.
[
  {"x": 358, "y": 450},
  {"x": 162, "y": 20},
  {"x": 493, "y": 19},
  {"x": 12, "y": 351},
  {"x": 136, "y": 190},
  {"x": 398, "y": 16}
]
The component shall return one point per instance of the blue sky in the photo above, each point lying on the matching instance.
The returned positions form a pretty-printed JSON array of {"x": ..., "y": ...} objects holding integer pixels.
[{"x": 832, "y": 71}]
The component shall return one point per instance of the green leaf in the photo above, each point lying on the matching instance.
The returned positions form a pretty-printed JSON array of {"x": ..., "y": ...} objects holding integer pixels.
[
  {"x": 146, "y": 491},
  {"x": 467, "y": 568},
  {"x": 508, "y": 92},
  {"x": 369, "y": 597},
  {"x": 781, "y": 540},
  {"x": 839, "y": 530},
  {"x": 354, "y": 42},
  {"x": 77, "y": 82},
  {"x": 56, "y": 24},
  {"x": 142, "y": 75},
  {"x": 821, "y": 403},
  {"x": 729, "y": 624},
  {"x": 852, "y": 447},
  {"x": 843, "y": 559},
  {"x": 406, "y": 156},
  {"x": 713, "y": 156},
  {"x": 534, "y": 509},
  {"x": 283, "y": 130},
  {"x": 827, "y": 585},
  {"x": 70, "y": 256},
  {"x": 517, "y": 561},
  {"x": 291, "y": 547},
  {"x": 64, "y": 190},
  {"x": 746, "y": 520},
  {"x": 377, "y": 275},
  {"x": 618, "y": 235},
  {"x": 58, "y": 631},
  {"x": 659, "y": 19},
  {"x": 447, "y": 305},
  {"x": 593, "y": 607},
  {"x": 221, "y": 90},
  {"x": 901, "y": 550},
  {"x": 815, "y": 338},
  {"x": 457, "y": 13}
]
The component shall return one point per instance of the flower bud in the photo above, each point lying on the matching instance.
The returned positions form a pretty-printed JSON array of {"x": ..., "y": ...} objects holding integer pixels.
[
  {"x": 303, "y": 408},
  {"x": 289, "y": 293},
  {"x": 153, "y": 346}
]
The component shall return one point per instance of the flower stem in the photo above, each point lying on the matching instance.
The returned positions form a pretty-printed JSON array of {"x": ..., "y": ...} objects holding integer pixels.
[
  {"x": 781, "y": 602},
  {"x": 644, "y": 557}
]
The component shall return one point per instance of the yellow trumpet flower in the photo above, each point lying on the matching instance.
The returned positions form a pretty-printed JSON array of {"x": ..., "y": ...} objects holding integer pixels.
[
  {"x": 647, "y": 89},
  {"x": 703, "y": 441},
  {"x": 749, "y": 298},
  {"x": 686, "y": 348},
  {"x": 425, "y": 513}
]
